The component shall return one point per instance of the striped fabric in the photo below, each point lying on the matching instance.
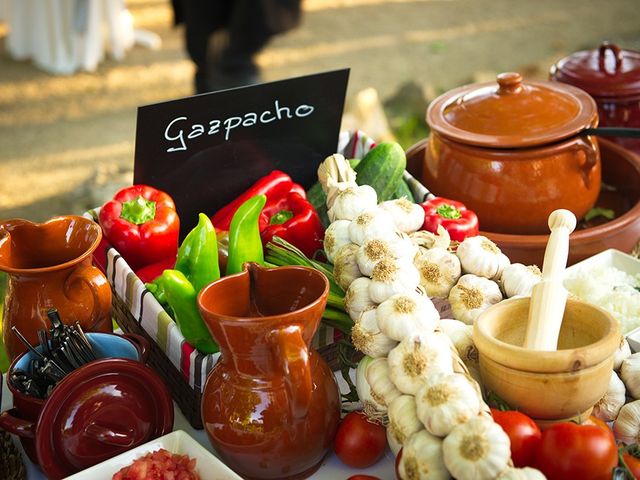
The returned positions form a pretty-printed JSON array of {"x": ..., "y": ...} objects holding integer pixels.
[{"x": 159, "y": 324}]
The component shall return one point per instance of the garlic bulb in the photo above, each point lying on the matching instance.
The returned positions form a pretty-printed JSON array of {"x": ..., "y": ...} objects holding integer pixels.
[
  {"x": 345, "y": 267},
  {"x": 444, "y": 401},
  {"x": 439, "y": 271},
  {"x": 367, "y": 337},
  {"x": 383, "y": 390},
  {"x": 357, "y": 298},
  {"x": 461, "y": 336},
  {"x": 374, "y": 250},
  {"x": 372, "y": 223},
  {"x": 526, "y": 473},
  {"x": 471, "y": 296},
  {"x": 351, "y": 202},
  {"x": 519, "y": 279},
  {"x": 630, "y": 374},
  {"x": 335, "y": 237},
  {"x": 427, "y": 240},
  {"x": 476, "y": 450},
  {"x": 621, "y": 353},
  {"x": 482, "y": 257},
  {"x": 405, "y": 313},
  {"x": 627, "y": 426},
  {"x": 364, "y": 390},
  {"x": 403, "y": 421},
  {"x": 609, "y": 406},
  {"x": 392, "y": 276},
  {"x": 407, "y": 215},
  {"x": 416, "y": 357},
  {"x": 422, "y": 458}
]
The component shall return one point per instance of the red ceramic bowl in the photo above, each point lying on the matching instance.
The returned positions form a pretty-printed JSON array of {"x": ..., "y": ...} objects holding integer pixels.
[{"x": 620, "y": 172}]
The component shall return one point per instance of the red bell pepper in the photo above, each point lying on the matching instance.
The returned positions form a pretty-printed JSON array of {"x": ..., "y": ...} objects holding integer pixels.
[
  {"x": 453, "y": 216},
  {"x": 274, "y": 186},
  {"x": 295, "y": 220},
  {"x": 141, "y": 222}
]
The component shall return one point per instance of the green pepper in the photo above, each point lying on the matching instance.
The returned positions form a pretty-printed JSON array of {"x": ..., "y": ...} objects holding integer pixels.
[
  {"x": 245, "y": 244},
  {"x": 198, "y": 254},
  {"x": 182, "y": 297}
]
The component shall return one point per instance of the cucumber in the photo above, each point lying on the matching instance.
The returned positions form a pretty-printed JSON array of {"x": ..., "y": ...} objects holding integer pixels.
[
  {"x": 403, "y": 190},
  {"x": 382, "y": 168}
]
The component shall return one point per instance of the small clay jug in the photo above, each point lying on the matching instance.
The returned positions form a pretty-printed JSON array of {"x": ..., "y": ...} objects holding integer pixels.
[
  {"x": 271, "y": 404},
  {"x": 49, "y": 266}
]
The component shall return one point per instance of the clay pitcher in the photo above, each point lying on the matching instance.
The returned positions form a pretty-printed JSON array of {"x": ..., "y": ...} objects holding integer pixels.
[
  {"x": 271, "y": 404},
  {"x": 49, "y": 266}
]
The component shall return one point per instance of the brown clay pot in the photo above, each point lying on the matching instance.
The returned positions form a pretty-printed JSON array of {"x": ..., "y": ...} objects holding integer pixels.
[
  {"x": 611, "y": 75},
  {"x": 512, "y": 151},
  {"x": 49, "y": 266},
  {"x": 271, "y": 404},
  {"x": 573, "y": 378}
]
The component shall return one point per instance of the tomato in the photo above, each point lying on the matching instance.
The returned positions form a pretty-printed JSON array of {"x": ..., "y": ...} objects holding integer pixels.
[
  {"x": 522, "y": 431},
  {"x": 568, "y": 450},
  {"x": 359, "y": 442}
]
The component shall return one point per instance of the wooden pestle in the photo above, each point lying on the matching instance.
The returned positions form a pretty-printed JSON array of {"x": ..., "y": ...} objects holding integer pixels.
[{"x": 549, "y": 297}]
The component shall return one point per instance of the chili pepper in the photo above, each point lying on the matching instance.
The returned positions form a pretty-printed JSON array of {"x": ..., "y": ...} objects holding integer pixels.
[
  {"x": 142, "y": 223},
  {"x": 453, "y": 216},
  {"x": 297, "y": 222},
  {"x": 245, "y": 244},
  {"x": 198, "y": 254},
  {"x": 182, "y": 297},
  {"x": 274, "y": 186}
]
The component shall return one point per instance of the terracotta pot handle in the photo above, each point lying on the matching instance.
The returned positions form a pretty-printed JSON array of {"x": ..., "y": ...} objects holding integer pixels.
[
  {"x": 602, "y": 55},
  {"x": 587, "y": 160},
  {"x": 141, "y": 343},
  {"x": 100, "y": 289},
  {"x": 109, "y": 436},
  {"x": 10, "y": 422},
  {"x": 509, "y": 83},
  {"x": 292, "y": 356}
]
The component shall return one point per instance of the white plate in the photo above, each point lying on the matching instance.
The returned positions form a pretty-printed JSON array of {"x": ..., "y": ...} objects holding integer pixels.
[
  {"x": 207, "y": 465},
  {"x": 621, "y": 261}
]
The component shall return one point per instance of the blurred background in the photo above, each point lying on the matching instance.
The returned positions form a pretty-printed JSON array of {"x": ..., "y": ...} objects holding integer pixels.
[{"x": 67, "y": 141}]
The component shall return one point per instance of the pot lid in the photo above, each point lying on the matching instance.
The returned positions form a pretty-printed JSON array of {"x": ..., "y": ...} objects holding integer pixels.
[
  {"x": 99, "y": 411},
  {"x": 511, "y": 113},
  {"x": 608, "y": 71}
]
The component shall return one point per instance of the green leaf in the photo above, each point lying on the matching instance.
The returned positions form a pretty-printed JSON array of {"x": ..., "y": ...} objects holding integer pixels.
[{"x": 600, "y": 212}]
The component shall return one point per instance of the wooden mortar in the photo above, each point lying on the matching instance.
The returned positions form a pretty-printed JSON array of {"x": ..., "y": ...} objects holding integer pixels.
[{"x": 549, "y": 386}]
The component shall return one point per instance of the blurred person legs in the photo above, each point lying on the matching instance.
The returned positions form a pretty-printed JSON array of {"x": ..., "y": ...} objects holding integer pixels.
[{"x": 223, "y": 36}]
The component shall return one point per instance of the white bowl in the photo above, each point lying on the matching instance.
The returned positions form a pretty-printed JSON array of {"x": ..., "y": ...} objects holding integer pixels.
[
  {"x": 207, "y": 465},
  {"x": 621, "y": 261}
]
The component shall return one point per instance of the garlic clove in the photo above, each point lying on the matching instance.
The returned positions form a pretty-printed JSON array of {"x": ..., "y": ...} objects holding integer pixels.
[
  {"x": 405, "y": 313},
  {"x": 630, "y": 374},
  {"x": 461, "y": 336},
  {"x": 390, "y": 277},
  {"x": 422, "y": 458},
  {"x": 367, "y": 337},
  {"x": 403, "y": 421},
  {"x": 372, "y": 223},
  {"x": 364, "y": 390},
  {"x": 383, "y": 390},
  {"x": 471, "y": 296},
  {"x": 407, "y": 215},
  {"x": 626, "y": 427},
  {"x": 345, "y": 266},
  {"x": 622, "y": 353},
  {"x": 439, "y": 271},
  {"x": 480, "y": 256},
  {"x": 526, "y": 473},
  {"x": 476, "y": 449},
  {"x": 609, "y": 406},
  {"x": 519, "y": 279},
  {"x": 335, "y": 237},
  {"x": 351, "y": 201},
  {"x": 357, "y": 298}
]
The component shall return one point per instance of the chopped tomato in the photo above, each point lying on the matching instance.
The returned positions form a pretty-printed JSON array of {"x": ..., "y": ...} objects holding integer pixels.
[{"x": 160, "y": 465}]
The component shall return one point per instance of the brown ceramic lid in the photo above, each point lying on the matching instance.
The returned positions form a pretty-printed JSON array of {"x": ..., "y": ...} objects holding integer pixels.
[
  {"x": 511, "y": 113},
  {"x": 608, "y": 71}
]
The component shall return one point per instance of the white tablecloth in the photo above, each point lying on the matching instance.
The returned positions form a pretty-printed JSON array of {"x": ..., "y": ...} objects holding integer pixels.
[{"x": 331, "y": 469}]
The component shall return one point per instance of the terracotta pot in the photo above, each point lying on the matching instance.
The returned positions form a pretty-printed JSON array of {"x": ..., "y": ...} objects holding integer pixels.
[
  {"x": 611, "y": 75},
  {"x": 49, "y": 266},
  {"x": 573, "y": 378},
  {"x": 270, "y": 405},
  {"x": 512, "y": 151},
  {"x": 621, "y": 192},
  {"x": 96, "y": 412}
]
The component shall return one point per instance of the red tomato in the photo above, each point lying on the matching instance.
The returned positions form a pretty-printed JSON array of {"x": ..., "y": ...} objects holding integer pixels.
[
  {"x": 359, "y": 442},
  {"x": 523, "y": 433},
  {"x": 632, "y": 463},
  {"x": 568, "y": 450}
]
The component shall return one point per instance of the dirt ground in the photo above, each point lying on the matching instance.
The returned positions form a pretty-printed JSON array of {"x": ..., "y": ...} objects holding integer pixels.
[{"x": 66, "y": 143}]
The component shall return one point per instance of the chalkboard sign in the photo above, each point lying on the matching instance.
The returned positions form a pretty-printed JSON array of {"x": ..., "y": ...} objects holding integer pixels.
[{"x": 207, "y": 149}]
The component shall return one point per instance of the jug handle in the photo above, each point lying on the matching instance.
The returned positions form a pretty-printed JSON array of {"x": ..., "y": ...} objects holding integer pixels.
[
  {"x": 141, "y": 343},
  {"x": 292, "y": 356},
  {"x": 99, "y": 286},
  {"x": 109, "y": 436},
  {"x": 10, "y": 422},
  {"x": 588, "y": 161}
]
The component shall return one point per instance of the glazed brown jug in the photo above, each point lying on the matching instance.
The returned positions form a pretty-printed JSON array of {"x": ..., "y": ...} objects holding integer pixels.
[
  {"x": 271, "y": 404},
  {"x": 49, "y": 266}
]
